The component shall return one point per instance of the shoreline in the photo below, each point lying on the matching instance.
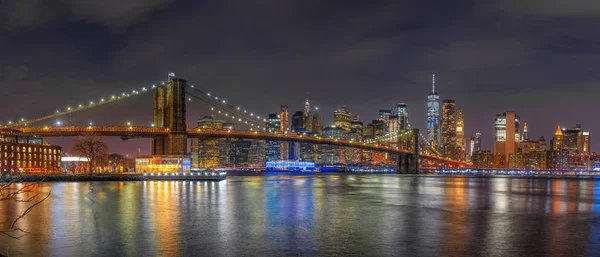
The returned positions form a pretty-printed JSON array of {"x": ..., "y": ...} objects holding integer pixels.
[{"x": 140, "y": 177}]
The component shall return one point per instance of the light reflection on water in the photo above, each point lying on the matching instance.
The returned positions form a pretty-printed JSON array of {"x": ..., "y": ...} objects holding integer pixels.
[{"x": 314, "y": 215}]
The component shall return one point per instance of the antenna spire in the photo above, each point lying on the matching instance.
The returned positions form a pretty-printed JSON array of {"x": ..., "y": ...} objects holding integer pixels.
[{"x": 433, "y": 89}]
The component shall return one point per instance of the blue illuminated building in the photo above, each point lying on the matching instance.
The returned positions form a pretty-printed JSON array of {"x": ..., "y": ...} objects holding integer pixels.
[
  {"x": 433, "y": 115},
  {"x": 289, "y": 165}
]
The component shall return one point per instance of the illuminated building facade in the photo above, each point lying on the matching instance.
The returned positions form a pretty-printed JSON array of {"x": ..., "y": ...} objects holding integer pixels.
[
  {"x": 307, "y": 118},
  {"x": 402, "y": 115},
  {"x": 284, "y": 127},
  {"x": 205, "y": 152},
  {"x": 356, "y": 130},
  {"x": 461, "y": 144},
  {"x": 433, "y": 115},
  {"x": 273, "y": 147},
  {"x": 471, "y": 147},
  {"x": 393, "y": 127},
  {"x": 28, "y": 154},
  {"x": 448, "y": 125},
  {"x": 577, "y": 143},
  {"x": 162, "y": 164},
  {"x": 506, "y": 135},
  {"x": 483, "y": 159},
  {"x": 342, "y": 118},
  {"x": 290, "y": 165}
]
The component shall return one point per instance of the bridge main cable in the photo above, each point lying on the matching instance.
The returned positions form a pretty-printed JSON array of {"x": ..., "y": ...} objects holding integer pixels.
[{"x": 80, "y": 107}]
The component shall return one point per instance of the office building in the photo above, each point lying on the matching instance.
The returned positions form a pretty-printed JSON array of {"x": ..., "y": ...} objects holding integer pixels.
[
  {"x": 284, "y": 127},
  {"x": 506, "y": 135},
  {"x": 461, "y": 143},
  {"x": 433, "y": 116},
  {"x": 478, "y": 141},
  {"x": 448, "y": 125},
  {"x": 402, "y": 116},
  {"x": 307, "y": 118},
  {"x": 205, "y": 152},
  {"x": 342, "y": 118},
  {"x": 273, "y": 147},
  {"x": 297, "y": 122},
  {"x": 28, "y": 154}
]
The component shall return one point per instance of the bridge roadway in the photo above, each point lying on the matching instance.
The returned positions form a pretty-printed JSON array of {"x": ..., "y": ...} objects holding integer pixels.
[{"x": 137, "y": 132}]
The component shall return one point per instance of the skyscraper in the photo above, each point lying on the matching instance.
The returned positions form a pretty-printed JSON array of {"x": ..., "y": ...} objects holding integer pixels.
[
  {"x": 449, "y": 129},
  {"x": 273, "y": 147},
  {"x": 284, "y": 127},
  {"x": 402, "y": 113},
  {"x": 205, "y": 152},
  {"x": 316, "y": 123},
  {"x": 506, "y": 135},
  {"x": 460, "y": 135},
  {"x": 478, "y": 141},
  {"x": 298, "y": 122},
  {"x": 307, "y": 118},
  {"x": 471, "y": 148},
  {"x": 525, "y": 136},
  {"x": 433, "y": 115},
  {"x": 341, "y": 118}
]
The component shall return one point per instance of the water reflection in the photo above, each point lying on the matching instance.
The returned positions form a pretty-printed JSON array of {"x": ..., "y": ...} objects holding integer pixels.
[{"x": 314, "y": 215}]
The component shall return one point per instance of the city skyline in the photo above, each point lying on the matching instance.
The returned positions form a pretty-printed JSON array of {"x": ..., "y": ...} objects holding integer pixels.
[{"x": 387, "y": 57}]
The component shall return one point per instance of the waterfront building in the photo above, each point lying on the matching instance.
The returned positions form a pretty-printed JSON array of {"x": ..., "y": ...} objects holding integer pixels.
[
  {"x": 239, "y": 152},
  {"x": 273, "y": 147},
  {"x": 284, "y": 127},
  {"x": 163, "y": 164},
  {"x": 257, "y": 153},
  {"x": 29, "y": 154},
  {"x": 342, "y": 118},
  {"x": 333, "y": 154},
  {"x": 448, "y": 125},
  {"x": 433, "y": 115},
  {"x": 290, "y": 165},
  {"x": 506, "y": 135},
  {"x": 205, "y": 152},
  {"x": 461, "y": 143},
  {"x": 483, "y": 159},
  {"x": 402, "y": 116},
  {"x": 577, "y": 143}
]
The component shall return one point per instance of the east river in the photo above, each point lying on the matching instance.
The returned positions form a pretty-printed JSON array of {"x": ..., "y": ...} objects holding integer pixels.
[{"x": 319, "y": 215}]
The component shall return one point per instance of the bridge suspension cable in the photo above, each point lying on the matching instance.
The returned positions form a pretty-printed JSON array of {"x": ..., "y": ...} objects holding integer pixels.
[
  {"x": 237, "y": 109},
  {"x": 235, "y": 116},
  {"x": 77, "y": 108}
]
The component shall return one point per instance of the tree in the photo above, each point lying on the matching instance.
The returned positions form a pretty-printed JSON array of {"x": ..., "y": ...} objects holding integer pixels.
[{"x": 90, "y": 147}]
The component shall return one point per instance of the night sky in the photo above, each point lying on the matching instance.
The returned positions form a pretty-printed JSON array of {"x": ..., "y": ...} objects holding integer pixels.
[{"x": 539, "y": 58}]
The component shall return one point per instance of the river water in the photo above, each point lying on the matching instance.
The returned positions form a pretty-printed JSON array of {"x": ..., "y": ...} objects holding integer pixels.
[{"x": 320, "y": 215}]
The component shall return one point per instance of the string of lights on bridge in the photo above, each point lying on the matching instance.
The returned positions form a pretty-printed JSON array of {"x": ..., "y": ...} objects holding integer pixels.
[
  {"x": 234, "y": 116},
  {"x": 80, "y": 107},
  {"x": 222, "y": 105}
]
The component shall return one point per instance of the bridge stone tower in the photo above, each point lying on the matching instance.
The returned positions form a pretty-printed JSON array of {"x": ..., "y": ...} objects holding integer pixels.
[
  {"x": 409, "y": 163},
  {"x": 169, "y": 112}
]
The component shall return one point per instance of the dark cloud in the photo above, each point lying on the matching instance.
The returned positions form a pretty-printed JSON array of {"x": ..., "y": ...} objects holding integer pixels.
[{"x": 111, "y": 13}]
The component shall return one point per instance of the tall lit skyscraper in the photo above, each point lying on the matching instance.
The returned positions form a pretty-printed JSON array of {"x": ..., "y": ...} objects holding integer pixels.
[
  {"x": 342, "y": 118},
  {"x": 506, "y": 135},
  {"x": 402, "y": 113},
  {"x": 307, "y": 118},
  {"x": 433, "y": 115},
  {"x": 471, "y": 148},
  {"x": 525, "y": 136},
  {"x": 273, "y": 147},
  {"x": 460, "y": 135},
  {"x": 284, "y": 127},
  {"x": 449, "y": 129}
]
